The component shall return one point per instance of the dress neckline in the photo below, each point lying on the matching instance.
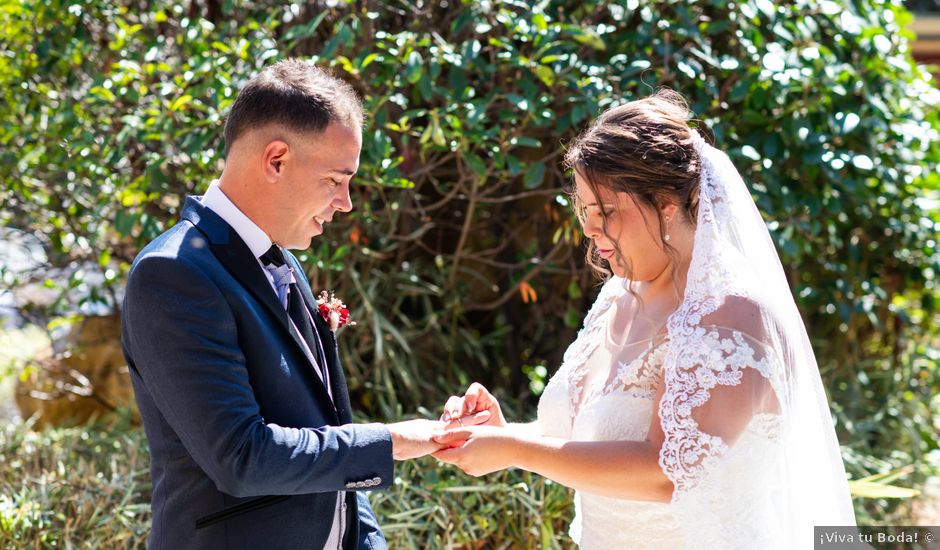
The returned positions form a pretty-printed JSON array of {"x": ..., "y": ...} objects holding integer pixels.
[
  {"x": 610, "y": 343},
  {"x": 616, "y": 369}
]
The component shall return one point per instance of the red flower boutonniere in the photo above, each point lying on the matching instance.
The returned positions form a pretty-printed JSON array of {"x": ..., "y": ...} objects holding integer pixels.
[{"x": 333, "y": 310}]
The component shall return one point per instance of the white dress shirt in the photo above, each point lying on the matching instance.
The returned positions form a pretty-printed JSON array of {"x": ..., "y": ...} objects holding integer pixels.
[{"x": 259, "y": 242}]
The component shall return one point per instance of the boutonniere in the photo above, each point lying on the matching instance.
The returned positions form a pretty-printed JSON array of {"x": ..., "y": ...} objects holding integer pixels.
[{"x": 334, "y": 311}]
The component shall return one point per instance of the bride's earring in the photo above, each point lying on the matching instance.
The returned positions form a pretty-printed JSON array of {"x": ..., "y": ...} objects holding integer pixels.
[{"x": 666, "y": 236}]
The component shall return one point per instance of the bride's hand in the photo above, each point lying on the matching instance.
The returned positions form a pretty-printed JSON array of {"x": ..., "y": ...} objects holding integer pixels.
[
  {"x": 476, "y": 407},
  {"x": 477, "y": 450}
]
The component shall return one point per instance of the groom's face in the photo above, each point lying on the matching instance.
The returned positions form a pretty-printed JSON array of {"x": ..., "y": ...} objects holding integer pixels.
[{"x": 316, "y": 183}]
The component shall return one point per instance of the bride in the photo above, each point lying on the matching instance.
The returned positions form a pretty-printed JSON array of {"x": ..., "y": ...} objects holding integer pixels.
[{"x": 689, "y": 411}]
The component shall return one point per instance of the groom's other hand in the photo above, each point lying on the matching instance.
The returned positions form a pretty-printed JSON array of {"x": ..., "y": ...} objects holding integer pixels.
[
  {"x": 477, "y": 406},
  {"x": 413, "y": 438}
]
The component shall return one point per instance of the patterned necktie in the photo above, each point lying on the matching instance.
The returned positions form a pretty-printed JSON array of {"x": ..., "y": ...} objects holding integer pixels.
[{"x": 289, "y": 294}]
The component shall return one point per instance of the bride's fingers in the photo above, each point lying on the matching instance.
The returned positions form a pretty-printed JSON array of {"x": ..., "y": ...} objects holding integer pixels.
[
  {"x": 476, "y": 396},
  {"x": 469, "y": 420},
  {"x": 453, "y": 408},
  {"x": 481, "y": 398},
  {"x": 469, "y": 402},
  {"x": 477, "y": 388},
  {"x": 479, "y": 418},
  {"x": 455, "y": 411}
]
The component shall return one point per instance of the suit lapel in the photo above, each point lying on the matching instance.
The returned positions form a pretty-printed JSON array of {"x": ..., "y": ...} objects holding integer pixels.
[
  {"x": 328, "y": 337},
  {"x": 237, "y": 258}
]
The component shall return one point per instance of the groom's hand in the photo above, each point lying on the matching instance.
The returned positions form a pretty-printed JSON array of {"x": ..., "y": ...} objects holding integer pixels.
[
  {"x": 476, "y": 407},
  {"x": 413, "y": 438}
]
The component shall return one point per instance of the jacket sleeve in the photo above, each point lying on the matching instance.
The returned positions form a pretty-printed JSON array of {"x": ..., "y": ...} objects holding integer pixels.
[
  {"x": 182, "y": 338},
  {"x": 370, "y": 536}
]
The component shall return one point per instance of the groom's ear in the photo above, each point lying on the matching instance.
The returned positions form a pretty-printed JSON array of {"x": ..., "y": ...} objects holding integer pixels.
[{"x": 273, "y": 159}]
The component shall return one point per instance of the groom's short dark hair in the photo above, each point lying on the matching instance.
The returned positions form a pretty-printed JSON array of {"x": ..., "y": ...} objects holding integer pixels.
[{"x": 296, "y": 94}]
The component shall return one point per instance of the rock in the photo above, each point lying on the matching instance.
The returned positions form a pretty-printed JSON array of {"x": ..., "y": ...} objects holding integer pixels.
[{"x": 87, "y": 380}]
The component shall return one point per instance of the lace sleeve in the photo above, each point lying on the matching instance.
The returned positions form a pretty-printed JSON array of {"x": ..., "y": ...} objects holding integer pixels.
[
  {"x": 717, "y": 384},
  {"x": 742, "y": 423}
]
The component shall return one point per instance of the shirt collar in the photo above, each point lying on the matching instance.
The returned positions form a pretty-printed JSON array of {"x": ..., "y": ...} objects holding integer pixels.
[{"x": 255, "y": 237}]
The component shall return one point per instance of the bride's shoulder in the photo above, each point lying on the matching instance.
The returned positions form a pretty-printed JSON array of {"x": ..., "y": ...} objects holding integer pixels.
[
  {"x": 741, "y": 315},
  {"x": 612, "y": 289},
  {"x": 744, "y": 332}
]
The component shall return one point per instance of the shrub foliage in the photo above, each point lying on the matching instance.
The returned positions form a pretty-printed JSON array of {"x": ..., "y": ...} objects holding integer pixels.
[{"x": 462, "y": 260}]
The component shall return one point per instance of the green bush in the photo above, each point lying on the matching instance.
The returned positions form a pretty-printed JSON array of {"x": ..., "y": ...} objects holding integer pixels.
[{"x": 462, "y": 259}]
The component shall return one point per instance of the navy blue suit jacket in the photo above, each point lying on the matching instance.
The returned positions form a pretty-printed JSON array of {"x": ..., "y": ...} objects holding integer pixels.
[{"x": 247, "y": 450}]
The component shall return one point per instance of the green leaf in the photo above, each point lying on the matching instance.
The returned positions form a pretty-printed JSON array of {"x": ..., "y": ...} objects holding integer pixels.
[
  {"x": 457, "y": 80},
  {"x": 102, "y": 93},
  {"x": 519, "y": 101},
  {"x": 574, "y": 290},
  {"x": 437, "y": 134},
  {"x": 534, "y": 175},
  {"x": 524, "y": 141},
  {"x": 476, "y": 163},
  {"x": 414, "y": 67},
  {"x": 545, "y": 74},
  {"x": 305, "y": 31},
  {"x": 572, "y": 318},
  {"x": 124, "y": 221},
  {"x": 400, "y": 183},
  {"x": 513, "y": 164},
  {"x": 540, "y": 22},
  {"x": 590, "y": 38},
  {"x": 180, "y": 102},
  {"x": 869, "y": 489}
]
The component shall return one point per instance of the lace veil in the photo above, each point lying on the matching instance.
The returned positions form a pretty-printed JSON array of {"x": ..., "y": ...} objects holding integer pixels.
[{"x": 743, "y": 411}]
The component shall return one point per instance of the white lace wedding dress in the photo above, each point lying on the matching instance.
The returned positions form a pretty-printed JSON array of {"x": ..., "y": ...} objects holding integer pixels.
[
  {"x": 619, "y": 406},
  {"x": 747, "y": 437}
]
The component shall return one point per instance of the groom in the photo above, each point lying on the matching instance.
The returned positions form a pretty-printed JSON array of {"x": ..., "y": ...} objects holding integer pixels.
[{"x": 235, "y": 372}]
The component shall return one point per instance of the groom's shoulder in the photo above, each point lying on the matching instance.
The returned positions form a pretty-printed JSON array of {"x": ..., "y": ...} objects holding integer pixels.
[
  {"x": 183, "y": 241},
  {"x": 183, "y": 247},
  {"x": 189, "y": 238}
]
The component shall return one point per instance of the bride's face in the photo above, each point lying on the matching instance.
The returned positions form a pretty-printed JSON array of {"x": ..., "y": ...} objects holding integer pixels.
[{"x": 624, "y": 232}]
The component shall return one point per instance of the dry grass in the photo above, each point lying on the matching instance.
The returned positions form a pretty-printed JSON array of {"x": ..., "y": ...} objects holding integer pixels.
[
  {"x": 16, "y": 346},
  {"x": 83, "y": 487}
]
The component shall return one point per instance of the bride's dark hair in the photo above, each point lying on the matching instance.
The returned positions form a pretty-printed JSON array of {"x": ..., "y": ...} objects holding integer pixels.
[{"x": 643, "y": 148}]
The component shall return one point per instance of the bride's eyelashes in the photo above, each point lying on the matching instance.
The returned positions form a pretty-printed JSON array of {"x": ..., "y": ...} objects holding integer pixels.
[{"x": 601, "y": 209}]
